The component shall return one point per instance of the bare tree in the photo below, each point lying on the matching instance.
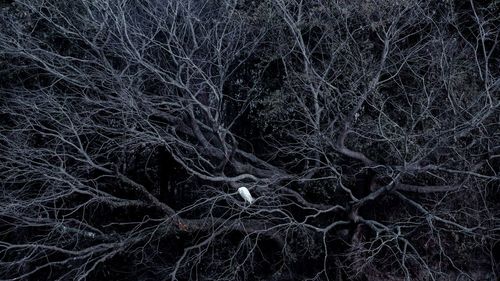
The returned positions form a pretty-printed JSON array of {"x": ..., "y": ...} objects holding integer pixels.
[{"x": 367, "y": 131}]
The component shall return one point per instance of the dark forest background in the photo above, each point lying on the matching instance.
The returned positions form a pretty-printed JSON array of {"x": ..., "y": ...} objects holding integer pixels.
[{"x": 367, "y": 130}]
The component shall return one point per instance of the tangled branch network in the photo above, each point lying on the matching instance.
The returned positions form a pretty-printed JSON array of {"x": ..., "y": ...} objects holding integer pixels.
[{"x": 249, "y": 140}]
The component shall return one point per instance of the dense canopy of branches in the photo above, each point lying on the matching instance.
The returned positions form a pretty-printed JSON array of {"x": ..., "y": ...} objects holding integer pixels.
[{"x": 367, "y": 131}]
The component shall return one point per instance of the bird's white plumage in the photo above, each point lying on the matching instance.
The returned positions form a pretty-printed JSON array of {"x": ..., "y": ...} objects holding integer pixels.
[{"x": 245, "y": 193}]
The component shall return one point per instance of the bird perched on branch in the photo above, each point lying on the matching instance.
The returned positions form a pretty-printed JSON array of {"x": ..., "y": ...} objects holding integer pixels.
[{"x": 245, "y": 193}]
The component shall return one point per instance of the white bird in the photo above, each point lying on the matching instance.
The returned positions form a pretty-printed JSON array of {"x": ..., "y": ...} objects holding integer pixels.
[{"x": 245, "y": 193}]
